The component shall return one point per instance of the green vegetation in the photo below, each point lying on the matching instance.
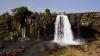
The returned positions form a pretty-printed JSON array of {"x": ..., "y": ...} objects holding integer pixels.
[{"x": 4, "y": 34}]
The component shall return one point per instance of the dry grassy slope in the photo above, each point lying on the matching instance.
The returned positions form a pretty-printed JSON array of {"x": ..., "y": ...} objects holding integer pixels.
[{"x": 92, "y": 49}]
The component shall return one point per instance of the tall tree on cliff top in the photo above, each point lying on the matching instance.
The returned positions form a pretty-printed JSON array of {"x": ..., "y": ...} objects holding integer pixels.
[
  {"x": 47, "y": 12},
  {"x": 21, "y": 14}
]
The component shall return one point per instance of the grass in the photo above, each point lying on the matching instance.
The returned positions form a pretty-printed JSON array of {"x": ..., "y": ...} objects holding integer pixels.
[{"x": 60, "y": 52}]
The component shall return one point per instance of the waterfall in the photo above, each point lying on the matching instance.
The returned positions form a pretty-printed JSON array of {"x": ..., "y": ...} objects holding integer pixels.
[
  {"x": 23, "y": 32},
  {"x": 63, "y": 33},
  {"x": 23, "y": 28}
]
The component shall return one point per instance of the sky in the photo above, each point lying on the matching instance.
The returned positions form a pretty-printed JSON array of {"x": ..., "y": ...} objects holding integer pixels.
[{"x": 68, "y": 6}]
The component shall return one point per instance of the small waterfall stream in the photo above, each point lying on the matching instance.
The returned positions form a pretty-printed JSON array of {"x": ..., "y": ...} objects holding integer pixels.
[
  {"x": 23, "y": 32},
  {"x": 63, "y": 33}
]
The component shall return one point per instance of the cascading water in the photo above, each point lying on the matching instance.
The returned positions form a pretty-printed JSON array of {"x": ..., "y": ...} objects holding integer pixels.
[
  {"x": 23, "y": 28},
  {"x": 63, "y": 33},
  {"x": 23, "y": 32}
]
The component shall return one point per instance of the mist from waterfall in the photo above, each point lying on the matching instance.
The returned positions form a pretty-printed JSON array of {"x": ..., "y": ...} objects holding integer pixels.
[{"x": 63, "y": 33}]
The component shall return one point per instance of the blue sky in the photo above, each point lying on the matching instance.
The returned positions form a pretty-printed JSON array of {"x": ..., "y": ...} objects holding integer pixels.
[{"x": 69, "y": 6}]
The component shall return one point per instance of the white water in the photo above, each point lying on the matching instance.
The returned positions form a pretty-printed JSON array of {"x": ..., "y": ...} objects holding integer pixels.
[
  {"x": 63, "y": 33},
  {"x": 23, "y": 32}
]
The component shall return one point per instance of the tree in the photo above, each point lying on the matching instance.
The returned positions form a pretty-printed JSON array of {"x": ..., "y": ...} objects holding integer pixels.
[
  {"x": 8, "y": 20},
  {"x": 47, "y": 12},
  {"x": 21, "y": 14}
]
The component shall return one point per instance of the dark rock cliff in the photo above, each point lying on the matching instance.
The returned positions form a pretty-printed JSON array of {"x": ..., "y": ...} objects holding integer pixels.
[{"x": 41, "y": 25}]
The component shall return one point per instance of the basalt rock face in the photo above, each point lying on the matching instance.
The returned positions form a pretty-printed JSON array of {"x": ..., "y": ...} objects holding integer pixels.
[
  {"x": 85, "y": 25},
  {"x": 87, "y": 19},
  {"x": 46, "y": 27}
]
